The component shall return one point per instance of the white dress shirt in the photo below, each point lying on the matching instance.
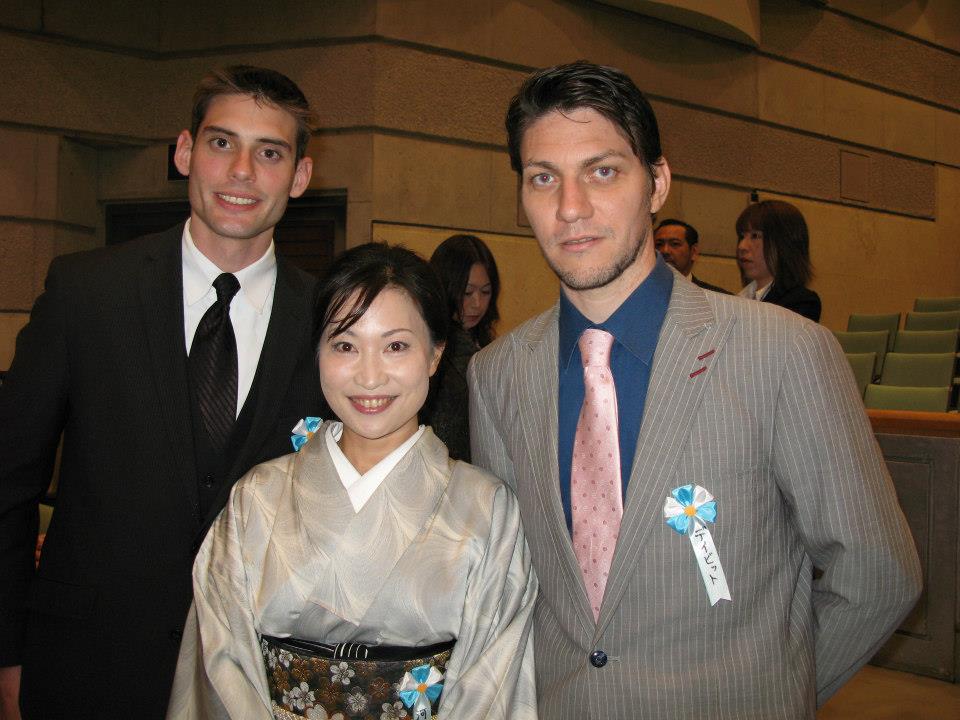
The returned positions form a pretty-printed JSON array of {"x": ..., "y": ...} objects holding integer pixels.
[
  {"x": 360, "y": 487},
  {"x": 752, "y": 292},
  {"x": 249, "y": 310}
]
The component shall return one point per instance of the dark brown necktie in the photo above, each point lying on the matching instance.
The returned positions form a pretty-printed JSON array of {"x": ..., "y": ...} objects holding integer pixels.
[{"x": 213, "y": 364}]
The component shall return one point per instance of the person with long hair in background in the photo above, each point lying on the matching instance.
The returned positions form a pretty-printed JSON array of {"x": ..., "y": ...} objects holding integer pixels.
[
  {"x": 773, "y": 252},
  {"x": 471, "y": 282}
]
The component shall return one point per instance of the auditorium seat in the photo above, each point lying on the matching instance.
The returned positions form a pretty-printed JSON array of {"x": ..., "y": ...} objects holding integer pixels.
[
  {"x": 922, "y": 399},
  {"x": 926, "y": 341},
  {"x": 918, "y": 369},
  {"x": 865, "y": 342},
  {"x": 862, "y": 365},
  {"x": 936, "y": 304},
  {"x": 866, "y": 323},
  {"x": 945, "y": 320}
]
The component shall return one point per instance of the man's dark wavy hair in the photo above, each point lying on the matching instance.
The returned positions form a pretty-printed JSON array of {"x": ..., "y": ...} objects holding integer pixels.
[{"x": 581, "y": 84}]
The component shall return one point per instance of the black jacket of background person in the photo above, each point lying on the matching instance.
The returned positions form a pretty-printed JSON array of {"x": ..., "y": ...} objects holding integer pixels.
[
  {"x": 802, "y": 300},
  {"x": 97, "y": 627},
  {"x": 707, "y": 286}
]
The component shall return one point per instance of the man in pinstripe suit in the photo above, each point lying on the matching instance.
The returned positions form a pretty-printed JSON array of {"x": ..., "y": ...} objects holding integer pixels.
[{"x": 737, "y": 422}]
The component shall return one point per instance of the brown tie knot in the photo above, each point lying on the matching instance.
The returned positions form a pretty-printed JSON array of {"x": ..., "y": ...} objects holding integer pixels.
[{"x": 595, "y": 346}]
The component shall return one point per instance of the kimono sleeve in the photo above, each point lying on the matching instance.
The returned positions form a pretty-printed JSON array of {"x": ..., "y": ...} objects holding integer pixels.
[
  {"x": 491, "y": 673},
  {"x": 220, "y": 671}
]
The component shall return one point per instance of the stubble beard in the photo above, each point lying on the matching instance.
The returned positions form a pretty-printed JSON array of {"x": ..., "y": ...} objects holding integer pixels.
[{"x": 597, "y": 277}]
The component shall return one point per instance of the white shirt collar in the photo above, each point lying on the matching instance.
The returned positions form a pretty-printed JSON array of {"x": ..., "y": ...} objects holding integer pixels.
[
  {"x": 752, "y": 292},
  {"x": 360, "y": 487},
  {"x": 199, "y": 272}
]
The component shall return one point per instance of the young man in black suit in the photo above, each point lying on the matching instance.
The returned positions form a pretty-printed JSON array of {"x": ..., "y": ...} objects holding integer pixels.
[{"x": 171, "y": 364}]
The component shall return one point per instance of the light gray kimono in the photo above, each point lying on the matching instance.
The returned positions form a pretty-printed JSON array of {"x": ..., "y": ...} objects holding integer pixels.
[{"x": 437, "y": 553}]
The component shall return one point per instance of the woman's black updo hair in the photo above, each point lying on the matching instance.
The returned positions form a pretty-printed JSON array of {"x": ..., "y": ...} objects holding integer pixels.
[
  {"x": 359, "y": 274},
  {"x": 452, "y": 261}
]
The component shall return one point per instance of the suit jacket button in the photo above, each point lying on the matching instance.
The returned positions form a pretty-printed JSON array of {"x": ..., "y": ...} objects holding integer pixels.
[
  {"x": 208, "y": 480},
  {"x": 176, "y": 635},
  {"x": 598, "y": 658}
]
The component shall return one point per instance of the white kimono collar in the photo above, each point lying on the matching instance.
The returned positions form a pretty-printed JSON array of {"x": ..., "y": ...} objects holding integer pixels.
[{"x": 360, "y": 487}]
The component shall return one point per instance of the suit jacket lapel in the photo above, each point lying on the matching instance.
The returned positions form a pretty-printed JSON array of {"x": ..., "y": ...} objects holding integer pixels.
[
  {"x": 161, "y": 307},
  {"x": 538, "y": 392},
  {"x": 690, "y": 339}
]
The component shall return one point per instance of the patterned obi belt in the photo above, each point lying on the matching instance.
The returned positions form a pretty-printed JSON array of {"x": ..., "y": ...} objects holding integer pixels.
[{"x": 350, "y": 680}]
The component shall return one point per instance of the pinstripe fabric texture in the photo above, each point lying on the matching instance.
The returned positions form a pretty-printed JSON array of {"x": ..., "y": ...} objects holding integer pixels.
[{"x": 774, "y": 428}]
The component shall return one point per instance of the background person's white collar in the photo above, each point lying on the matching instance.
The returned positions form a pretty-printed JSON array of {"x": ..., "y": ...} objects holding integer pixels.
[
  {"x": 752, "y": 292},
  {"x": 360, "y": 487}
]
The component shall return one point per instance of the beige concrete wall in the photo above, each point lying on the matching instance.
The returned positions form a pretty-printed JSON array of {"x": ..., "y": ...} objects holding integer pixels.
[
  {"x": 10, "y": 324},
  {"x": 410, "y": 96},
  {"x": 937, "y": 21}
]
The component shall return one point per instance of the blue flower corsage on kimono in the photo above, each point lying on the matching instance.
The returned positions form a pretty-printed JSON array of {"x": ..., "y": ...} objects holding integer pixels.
[
  {"x": 419, "y": 688},
  {"x": 303, "y": 431},
  {"x": 687, "y": 510}
]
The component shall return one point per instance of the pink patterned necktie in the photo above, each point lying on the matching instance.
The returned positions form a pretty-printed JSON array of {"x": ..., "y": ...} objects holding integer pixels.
[{"x": 595, "y": 493}]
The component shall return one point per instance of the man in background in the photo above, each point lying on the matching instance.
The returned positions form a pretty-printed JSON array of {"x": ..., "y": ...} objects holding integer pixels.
[
  {"x": 679, "y": 244},
  {"x": 171, "y": 364}
]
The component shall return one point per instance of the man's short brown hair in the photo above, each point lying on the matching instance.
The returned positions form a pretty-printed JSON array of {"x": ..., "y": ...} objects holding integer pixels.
[{"x": 264, "y": 86}]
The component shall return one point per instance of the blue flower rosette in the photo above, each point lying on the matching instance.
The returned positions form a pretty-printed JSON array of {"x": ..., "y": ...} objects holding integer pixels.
[
  {"x": 419, "y": 688},
  {"x": 303, "y": 431},
  {"x": 687, "y": 510}
]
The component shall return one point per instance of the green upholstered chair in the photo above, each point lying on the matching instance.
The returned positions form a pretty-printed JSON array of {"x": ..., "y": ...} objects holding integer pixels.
[
  {"x": 918, "y": 369},
  {"x": 945, "y": 320},
  {"x": 936, "y": 304},
  {"x": 926, "y": 341},
  {"x": 865, "y": 342},
  {"x": 866, "y": 323},
  {"x": 862, "y": 365},
  {"x": 922, "y": 399}
]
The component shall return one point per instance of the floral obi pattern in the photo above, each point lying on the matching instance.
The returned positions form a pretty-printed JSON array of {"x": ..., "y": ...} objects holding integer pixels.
[{"x": 320, "y": 682}]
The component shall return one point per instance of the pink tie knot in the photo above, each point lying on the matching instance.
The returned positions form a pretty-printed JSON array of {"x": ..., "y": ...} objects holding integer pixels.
[{"x": 595, "y": 348}]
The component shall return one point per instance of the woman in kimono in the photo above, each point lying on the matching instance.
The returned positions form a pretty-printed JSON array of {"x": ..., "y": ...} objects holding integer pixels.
[{"x": 366, "y": 575}]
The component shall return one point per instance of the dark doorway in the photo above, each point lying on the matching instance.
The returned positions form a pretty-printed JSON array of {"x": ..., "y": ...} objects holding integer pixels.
[{"x": 312, "y": 231}]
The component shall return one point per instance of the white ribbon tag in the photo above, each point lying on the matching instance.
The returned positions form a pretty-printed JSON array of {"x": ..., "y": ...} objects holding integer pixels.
[{"x": 709, "y": 561}]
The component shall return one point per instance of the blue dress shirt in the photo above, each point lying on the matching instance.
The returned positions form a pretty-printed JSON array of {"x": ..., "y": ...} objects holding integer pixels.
[{"x": 635, "y": 326}]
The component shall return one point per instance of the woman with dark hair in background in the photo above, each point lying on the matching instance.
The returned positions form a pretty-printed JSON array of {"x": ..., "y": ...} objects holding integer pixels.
[
  {"x": 773, "y": 253},
  {"x": 366, "y": 574},
  {"x": 470, "y": 279}
]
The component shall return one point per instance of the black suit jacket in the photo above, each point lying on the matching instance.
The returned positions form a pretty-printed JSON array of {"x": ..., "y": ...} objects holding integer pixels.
[
  {"x": 102, "y": 359},
  {"x": 802, "y": 300}
]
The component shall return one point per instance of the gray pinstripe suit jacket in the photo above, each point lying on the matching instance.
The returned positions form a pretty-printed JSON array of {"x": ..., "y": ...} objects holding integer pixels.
[{"x": 774, "y": 428}]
